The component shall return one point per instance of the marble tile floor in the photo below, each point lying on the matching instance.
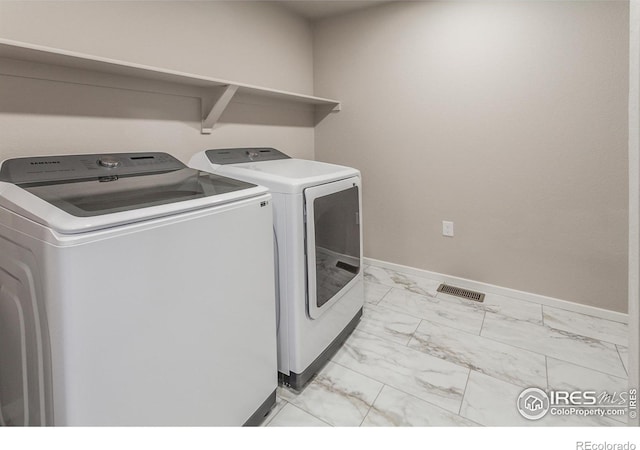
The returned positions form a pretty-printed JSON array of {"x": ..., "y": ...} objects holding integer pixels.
[{"x": 423, "y": 358}]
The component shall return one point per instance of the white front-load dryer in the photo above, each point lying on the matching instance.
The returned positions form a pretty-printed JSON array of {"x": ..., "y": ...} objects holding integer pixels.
[
  {"x": 134, "y": 291},
  {"x": 317, "y": 224}
]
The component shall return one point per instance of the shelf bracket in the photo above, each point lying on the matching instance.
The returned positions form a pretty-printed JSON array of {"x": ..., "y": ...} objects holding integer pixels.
[
  {"x": 213, "y": 105},
  {"x": 323, "y": 111}
]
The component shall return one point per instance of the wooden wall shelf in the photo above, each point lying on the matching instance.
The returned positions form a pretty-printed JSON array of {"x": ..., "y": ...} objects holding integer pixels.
[{"x": 35, "y": 61}]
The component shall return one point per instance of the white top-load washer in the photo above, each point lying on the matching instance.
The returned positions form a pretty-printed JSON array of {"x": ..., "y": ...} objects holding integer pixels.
[
  {"x": 134, "y": 291},
  {"x": 317, "y": 223}
]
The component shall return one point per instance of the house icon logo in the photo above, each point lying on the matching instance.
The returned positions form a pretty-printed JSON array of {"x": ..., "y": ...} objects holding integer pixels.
[{"x": 533, "y": 403}]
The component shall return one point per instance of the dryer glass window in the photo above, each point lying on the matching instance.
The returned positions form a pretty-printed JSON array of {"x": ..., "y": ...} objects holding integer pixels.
[{"x": 337, "y": 242}]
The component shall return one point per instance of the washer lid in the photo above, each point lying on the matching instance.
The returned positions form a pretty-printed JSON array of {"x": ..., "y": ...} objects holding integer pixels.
[
  {"x": 280, "y": 174},
  {"x": 78, "y": 193}
]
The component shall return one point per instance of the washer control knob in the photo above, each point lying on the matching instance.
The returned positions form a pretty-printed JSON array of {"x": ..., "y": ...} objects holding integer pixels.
[
  {"x": 252, "y": 155},
  {"x": 108, "y": 162}
]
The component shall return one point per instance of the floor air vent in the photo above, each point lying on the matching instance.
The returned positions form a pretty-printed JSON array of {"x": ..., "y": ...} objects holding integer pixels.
[{"x": 459, "y": 292}]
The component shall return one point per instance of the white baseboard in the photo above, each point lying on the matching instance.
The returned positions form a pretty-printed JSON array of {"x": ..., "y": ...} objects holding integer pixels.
[{"x": 508, "y": 292}]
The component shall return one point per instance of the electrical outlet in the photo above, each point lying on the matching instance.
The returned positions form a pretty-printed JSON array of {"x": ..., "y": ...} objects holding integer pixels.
[{"x": 447, "y": 228}]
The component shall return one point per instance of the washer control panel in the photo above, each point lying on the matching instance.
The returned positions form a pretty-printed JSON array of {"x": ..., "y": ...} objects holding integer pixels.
[
  {"x": 244, "y": 155},
  {"x": 77, "y": 167}
]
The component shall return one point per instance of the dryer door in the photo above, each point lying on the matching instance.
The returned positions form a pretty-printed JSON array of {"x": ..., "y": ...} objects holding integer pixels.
[{"x": 333, "y": 241}]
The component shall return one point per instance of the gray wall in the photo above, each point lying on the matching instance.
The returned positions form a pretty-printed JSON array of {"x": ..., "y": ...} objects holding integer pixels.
[
  {"x": 508, "y": 118},
  {"x": 248, "y": 42}
]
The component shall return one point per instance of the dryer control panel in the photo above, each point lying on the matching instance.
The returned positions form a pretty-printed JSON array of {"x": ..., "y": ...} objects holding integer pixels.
[
  {"x": 78, "y": 167},
  {"x": 244, "y": 155}
]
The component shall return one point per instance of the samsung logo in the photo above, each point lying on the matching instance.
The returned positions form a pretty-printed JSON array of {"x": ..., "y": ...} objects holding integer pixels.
[{"x": 35, "y": 163}]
